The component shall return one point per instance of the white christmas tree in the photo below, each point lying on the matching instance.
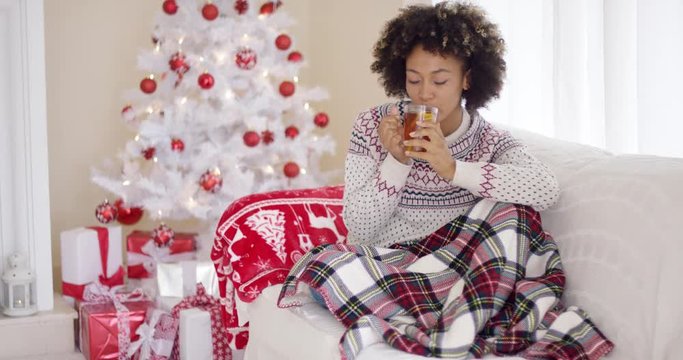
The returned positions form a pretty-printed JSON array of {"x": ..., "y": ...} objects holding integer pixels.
[{"x": 219, "y": 113}]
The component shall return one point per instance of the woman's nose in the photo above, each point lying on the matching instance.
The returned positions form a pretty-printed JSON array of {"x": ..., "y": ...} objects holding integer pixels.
[{"x": 426, "y": 91}]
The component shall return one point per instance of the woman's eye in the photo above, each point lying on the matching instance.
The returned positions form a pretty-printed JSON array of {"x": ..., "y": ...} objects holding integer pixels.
[
  {"x": 441, "y": 82},
  {"x": 414, "y": 82}
]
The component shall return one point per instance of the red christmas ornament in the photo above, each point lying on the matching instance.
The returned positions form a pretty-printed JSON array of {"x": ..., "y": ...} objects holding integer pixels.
[
  {"x": 211, "y": 181},
  {"x": 210, "y": 12},
  {"x": 251, "y": 138},
  {"x": 149, "y": 152},
  {"x": 163, "y": 235},
  {"x": 267, "y": 136},
  {"x": 291, "y": 169},
  {"x": 106, "y": 212},
  {"x": 170, "y": 7},
  {"x": 128, "y": 114},
  {"x": 287, "y": 88},
  {"x": 291, "y": 132},
  {"x": 205, "y": 81},
  {"x": 269, "y": 7},
  {"x": 245, "y": 58},
  {"x": 148, "y": 85},
  {"x": 127, "y": 215},
  {"x": 178, "y": 64},
  {"x": 321, "y": 119},
  {"x": 241, "y": 6},
  {"x": 283, "y": 42},
  {"x": 294, "y": 56},
  {"x": 177, "y": 145}
]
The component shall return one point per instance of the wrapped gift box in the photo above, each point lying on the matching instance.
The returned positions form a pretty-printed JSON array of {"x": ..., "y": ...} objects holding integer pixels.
[
  {"x": 144, "y": 254},
  {"x": 103, "y": 325},
  {"x": 180, "y": 279},
  {"x": 156, "y": 337},
  {"x": 89, "y": 255}
]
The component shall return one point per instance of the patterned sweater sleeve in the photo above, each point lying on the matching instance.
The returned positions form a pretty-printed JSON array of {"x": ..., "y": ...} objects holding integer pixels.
[
  {"x": 373, "y": 179},
  {"x": 507, "y": 172}
]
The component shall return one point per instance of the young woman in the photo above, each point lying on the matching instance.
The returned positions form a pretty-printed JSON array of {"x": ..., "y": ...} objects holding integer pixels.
[{"x": 446, "y": 256}]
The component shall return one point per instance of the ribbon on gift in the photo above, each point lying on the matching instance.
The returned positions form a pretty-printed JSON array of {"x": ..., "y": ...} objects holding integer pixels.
[
  {"x": 152, "y": 254},
  {"x": 147, "y": 344},
  {"x": 97, "y": 292},
  {"x": 77, "y": 290}
]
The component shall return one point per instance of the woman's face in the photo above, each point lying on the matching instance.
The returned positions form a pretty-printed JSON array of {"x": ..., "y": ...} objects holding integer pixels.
[{"x": 432, "y": 79}]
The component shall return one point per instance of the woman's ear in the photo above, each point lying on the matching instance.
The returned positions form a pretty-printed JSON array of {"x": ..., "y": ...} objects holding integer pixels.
[{"x": 466, "y": 80}]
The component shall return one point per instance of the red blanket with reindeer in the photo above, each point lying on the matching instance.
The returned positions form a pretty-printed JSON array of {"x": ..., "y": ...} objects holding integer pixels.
[{"x": 261, "y": 236}]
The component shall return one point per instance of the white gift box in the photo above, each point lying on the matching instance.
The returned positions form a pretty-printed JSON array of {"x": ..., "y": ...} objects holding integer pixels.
[
  {"x": 81, "y": 255},
  {"x": 180, "y": 279},
  {"x": 195, "y": 336}
]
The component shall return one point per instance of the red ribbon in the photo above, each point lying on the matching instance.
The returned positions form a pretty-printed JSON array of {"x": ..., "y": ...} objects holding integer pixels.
[{"x": 75, "y": 290}]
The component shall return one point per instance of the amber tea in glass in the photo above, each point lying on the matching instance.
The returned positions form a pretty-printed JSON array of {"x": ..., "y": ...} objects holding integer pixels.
[{"x": 415, "y": 113}]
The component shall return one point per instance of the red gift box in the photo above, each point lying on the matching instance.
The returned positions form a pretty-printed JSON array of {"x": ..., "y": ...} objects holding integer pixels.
[
  {"x": 104, "y": 334},
  {"x": 144, "y": 254}
]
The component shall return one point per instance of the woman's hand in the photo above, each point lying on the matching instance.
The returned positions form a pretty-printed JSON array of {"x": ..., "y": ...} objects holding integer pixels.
[
  {"x": 435, "y": 152},
  {"x": 391, "y": 135}
]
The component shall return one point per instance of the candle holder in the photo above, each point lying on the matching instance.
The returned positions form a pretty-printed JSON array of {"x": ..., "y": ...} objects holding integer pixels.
[{"x": 18, "y": 288}]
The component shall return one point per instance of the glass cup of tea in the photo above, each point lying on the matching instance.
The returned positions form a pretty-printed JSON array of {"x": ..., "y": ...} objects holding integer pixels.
[{"x": 415, "y": 113}]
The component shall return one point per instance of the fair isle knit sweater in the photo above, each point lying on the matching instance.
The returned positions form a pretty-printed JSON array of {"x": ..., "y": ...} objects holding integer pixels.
[{"x": 387, "y": 202}]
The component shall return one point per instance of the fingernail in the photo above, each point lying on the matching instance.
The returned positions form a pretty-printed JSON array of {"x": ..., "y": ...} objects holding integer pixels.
[{"x": 412, "y": 134}]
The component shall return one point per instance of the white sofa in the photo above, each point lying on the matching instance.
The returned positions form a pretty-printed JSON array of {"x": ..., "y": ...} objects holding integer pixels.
[{"x": 616, "y": 224}]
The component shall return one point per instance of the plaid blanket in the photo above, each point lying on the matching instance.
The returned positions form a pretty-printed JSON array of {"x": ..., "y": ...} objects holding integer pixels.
[{"x": 490, "y": 281}]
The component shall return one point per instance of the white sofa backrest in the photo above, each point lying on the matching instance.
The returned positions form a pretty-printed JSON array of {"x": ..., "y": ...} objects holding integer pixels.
[{"x": 616, "y": 224}]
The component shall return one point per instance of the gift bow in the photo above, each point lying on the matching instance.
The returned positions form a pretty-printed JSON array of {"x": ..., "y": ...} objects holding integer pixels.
[
  {"x": 146, "y": 343},
  {"x": 152, "y": 254},
  {"x": 96, "y": 292}
]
